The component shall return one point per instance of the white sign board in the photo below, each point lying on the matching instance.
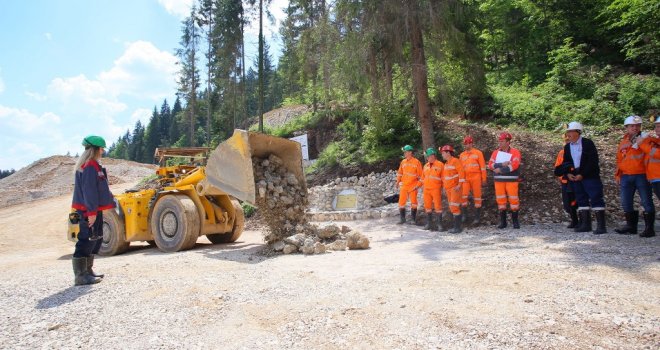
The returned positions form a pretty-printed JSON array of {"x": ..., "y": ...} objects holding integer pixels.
[{"x": 302, "y": 140}]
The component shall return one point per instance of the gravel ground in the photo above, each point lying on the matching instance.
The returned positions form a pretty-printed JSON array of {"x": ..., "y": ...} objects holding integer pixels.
[{"x": 538, "y": 287}]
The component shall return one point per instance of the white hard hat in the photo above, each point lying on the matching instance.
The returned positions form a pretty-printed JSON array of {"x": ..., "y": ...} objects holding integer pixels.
[
  {"x": 632, "y": 120},
  {"x": 574, "y": 126}
]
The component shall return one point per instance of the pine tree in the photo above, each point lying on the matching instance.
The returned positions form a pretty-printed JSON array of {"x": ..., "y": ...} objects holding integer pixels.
[
  {"x": 189, "y": 74},
  {"x": 152, "y": 137}
]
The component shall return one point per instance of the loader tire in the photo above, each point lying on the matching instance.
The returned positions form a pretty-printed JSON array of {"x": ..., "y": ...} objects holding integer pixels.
[
  {"x": 114, "y": 234},
  {"x": 237, "y": 230},
  {"x": 175, "y": 223}
]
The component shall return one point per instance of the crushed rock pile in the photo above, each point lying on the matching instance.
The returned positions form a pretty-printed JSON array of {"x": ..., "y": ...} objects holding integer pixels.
[
  {"x": 282, "y": 202},
  {"x": 318, "y": 240}
]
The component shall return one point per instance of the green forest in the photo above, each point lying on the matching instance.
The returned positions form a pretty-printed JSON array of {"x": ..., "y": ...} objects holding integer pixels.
[{"x": 397, "y": 68}]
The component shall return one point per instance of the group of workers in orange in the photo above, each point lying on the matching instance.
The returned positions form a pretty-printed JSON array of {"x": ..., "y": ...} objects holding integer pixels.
[
  {"x": 577, "y": 168},
  {"x": 459, "y": 177}
]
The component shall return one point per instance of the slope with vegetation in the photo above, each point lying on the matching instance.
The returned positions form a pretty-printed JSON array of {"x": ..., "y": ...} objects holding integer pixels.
[{"x": 378, "y": 74}]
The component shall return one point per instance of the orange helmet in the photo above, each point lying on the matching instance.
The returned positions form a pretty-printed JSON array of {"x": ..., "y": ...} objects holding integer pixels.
[
  {"x": 468, "y": 139},
  {"x": 447, "y": 148},
  {"x": 505, "y": 136}
]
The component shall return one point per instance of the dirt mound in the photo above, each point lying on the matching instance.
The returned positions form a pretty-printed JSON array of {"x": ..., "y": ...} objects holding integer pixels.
[{"x": 53, "y": 176}]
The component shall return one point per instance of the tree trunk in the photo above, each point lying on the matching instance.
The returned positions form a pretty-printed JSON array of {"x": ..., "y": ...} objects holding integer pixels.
[
  {"x": 261, "y": 67},
  {"x": 420, "y": 84},
  {"x": 372, "y": 71}
]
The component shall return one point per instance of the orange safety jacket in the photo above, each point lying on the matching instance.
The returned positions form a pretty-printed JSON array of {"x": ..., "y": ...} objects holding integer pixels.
[
  {"x": 558, "y": 162},
  {"x": 508, "y": 174},
  {"x": 651, "y": 147},
  {"x": 432, "y": 175},
  {"x": 409, "y": 174},
  {"x": 629, "y": 160},
  {"x": 453, "y": 173},
  {"x": 473, "y": 162}
]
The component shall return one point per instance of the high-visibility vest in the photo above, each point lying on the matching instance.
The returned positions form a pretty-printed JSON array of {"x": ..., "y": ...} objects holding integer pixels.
[
  {"x": 651, "y": 147},
  {"x": 473, "y": 162},
  {"x": 409, "y": 173},
  {"x": 629, "y": 160},
  {"x": 432, "y": 175},
  {"x": 511, "y": 176},
  {"x": 453, "y": 173}
]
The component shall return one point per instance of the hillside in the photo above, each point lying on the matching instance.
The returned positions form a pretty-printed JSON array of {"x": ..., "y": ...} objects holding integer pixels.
[{"x": 53, "y": 176}]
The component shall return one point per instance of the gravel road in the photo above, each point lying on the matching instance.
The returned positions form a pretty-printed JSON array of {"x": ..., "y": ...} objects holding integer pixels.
[{"x": 538, "y": 287}]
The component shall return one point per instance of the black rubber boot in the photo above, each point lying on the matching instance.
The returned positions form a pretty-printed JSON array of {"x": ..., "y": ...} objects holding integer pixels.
[
  {"x": 477, "y": 217},
  {"x": 82, "y": 277},
  {"x": 585, "y": 221},
  {"x": 413, "y": 215},
  {"x": 90, "y": 264},
  {"x": 464, "y": 214},
  {"x": 649, "y": 225},
  {"x": 429, "y": 221},
  {"x": 574, "y": 218},
  {"x": 402, "y": 216},
  {"x": 514, "y": 219},
  {"x": 630, "y": 228},
  {"x": 443, "y": 228},
  {"x": 457, "y": 224},
  {"x": 502, "y": 219},
  {"x": 600, "y": 222}
]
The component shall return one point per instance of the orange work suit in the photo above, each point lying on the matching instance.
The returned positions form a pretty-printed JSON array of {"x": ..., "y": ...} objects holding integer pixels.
[
  {"x": 629, "y": 160},
  {"x": 475, "y": 175},
  {"x": 408, "y": 178},
  {"x": 559, "y": 161},
  {"x": 453, "y": 177},
  {"x": 432, "y": 182},
  {"x": 651, "y": 148},
  {"x": 506, "y": 182}
]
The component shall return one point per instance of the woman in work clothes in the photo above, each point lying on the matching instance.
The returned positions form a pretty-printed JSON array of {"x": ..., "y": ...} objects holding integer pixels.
[{"x": 91, "y": 195}]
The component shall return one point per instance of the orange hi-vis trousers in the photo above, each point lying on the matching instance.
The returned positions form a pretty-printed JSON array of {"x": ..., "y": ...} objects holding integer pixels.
[
  {"x": 472, "y": 184},
  {"x": 504, "y": 191},
  {"x": 404, "y": 193},
  {"x": 454, "y": 199},
  {"x": 433, "y": 199}
]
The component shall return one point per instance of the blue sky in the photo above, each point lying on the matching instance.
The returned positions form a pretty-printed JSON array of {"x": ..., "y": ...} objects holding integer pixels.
[{"x": 70, "y": 68}]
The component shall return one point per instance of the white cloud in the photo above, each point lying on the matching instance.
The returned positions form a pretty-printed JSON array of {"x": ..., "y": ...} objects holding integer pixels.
[
  {"x": 48, "y": 36},
  {"x": 141, "y": 114},
  {"x": 80, "y": 105},
  {"x": 143, "y": 70},
  {"x": 2, "y": 83},
  {"x": 22, "y": 122},
  {"x": 179, "y": 8},
  {"x": 276, "y": 8}
]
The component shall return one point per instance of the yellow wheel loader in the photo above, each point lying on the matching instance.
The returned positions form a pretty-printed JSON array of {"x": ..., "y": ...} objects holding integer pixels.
[{"x": 195, "y": 200}]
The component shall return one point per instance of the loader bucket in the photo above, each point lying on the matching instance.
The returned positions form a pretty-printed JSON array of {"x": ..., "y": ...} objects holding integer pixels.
[{"x": 229, "y": 167}]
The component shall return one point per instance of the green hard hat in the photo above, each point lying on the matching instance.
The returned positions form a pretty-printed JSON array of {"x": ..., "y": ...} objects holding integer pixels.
[
  {"x": 407, "y": 148},
  {"x": 431, "y": 151},
  {"x": 93, "y": 140}
]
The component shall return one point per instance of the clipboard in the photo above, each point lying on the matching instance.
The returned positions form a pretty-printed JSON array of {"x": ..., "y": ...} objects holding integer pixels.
[{"x": 502, "y": 157}]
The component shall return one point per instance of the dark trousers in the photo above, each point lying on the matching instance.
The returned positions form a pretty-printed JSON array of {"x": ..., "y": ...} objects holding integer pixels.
[
  {"x": 589, "y": 194},
  {"x": 85, "y": 247},
  {"x": 656, "y": 188},
  {"x": 568, "y": 198},
  {"x": 631, "y": 184}
]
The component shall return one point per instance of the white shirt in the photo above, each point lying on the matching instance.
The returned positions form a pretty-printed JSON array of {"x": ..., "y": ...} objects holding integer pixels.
[{"x": 576, "y": 152}]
